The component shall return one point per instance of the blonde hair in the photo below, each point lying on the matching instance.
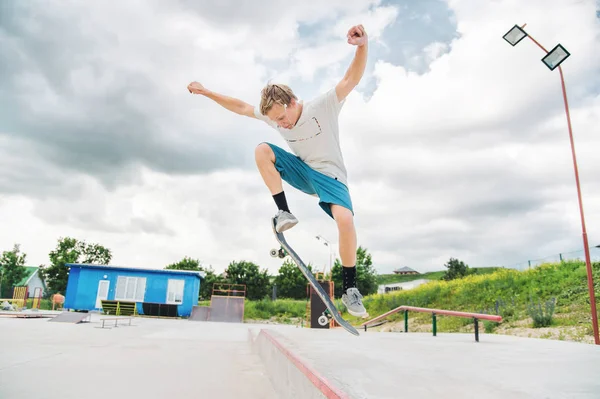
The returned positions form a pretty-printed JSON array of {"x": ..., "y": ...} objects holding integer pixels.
[{"x": 273, "y": 94}]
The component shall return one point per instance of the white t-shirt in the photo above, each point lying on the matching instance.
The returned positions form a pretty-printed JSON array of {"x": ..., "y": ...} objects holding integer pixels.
[{"x": 316, "y": 137}]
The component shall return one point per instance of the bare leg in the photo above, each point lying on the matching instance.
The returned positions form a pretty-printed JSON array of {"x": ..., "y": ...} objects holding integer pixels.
[
  {"x": 265, "y": 160},
  {"x": 347, "y": 234},
  {"x": 351, "y": 297}
]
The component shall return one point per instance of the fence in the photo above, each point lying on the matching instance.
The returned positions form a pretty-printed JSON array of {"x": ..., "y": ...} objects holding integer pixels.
[{"x": 563, "y": 256}]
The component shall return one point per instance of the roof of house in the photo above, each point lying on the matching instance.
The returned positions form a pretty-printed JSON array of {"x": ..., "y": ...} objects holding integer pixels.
[
  {"x": 137, "y": 269},
  {"x": 405, "y": 269},
  {"x": 29, "y": 273}
]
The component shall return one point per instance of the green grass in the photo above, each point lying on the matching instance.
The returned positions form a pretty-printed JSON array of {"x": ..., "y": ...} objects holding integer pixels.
[
  {"x": 283, "y": 310},
  {"x": 506, "y": 292},
  {"x": 398, "y": 278}
]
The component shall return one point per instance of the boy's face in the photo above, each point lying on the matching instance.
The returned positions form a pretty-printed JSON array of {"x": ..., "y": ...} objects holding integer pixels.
[{"x": 285, "y": 117}]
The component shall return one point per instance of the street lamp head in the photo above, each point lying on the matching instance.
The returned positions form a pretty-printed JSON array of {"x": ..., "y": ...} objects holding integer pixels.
[
  {"x": 514, "y": 35},
  {"x": 555, "y": 57}
]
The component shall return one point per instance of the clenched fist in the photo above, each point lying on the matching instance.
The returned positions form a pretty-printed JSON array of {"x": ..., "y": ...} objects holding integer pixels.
[
  {"x": 196, "y": 88},
  {"x": 357, "y": 35}
]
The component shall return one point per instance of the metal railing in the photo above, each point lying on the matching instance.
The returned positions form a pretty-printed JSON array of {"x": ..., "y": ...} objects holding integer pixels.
[{"x": 434, "y": 312}]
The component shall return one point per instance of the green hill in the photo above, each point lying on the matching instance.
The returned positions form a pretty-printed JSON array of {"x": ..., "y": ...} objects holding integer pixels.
[
  {"x": 526, "y": 300},
  {"x": 522, "y": 298}
]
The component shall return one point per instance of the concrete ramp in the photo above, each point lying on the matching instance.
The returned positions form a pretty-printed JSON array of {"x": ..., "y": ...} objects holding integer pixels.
[
  {"x": 200, "y": 313},
  {"x": 72, "y": 317},
  {"x": 226, "y": 309},
  {"x": 314, "y": 363}
]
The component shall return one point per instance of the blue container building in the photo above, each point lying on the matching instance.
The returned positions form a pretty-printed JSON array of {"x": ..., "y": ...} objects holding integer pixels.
[{"x": 155, "y": 291}]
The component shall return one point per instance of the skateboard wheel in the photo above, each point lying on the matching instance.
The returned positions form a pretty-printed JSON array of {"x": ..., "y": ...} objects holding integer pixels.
[
  {"x": 274, "y": 253},
  {"x": 323, "y": 320},
  {"x": 281, "y": 254}
]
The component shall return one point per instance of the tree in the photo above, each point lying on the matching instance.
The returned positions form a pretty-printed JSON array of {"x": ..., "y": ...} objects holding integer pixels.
[
  {"x": 366, "y": 275},
  {"x": 210, "y": 276},
  {"x": 456, "y": 269},
  {"x": 71, "y": 250},
  {"x": 210, "y": 280},
  {"x": 248, "y": 273},
  {"x": 290, "y": 281},
  {"x": 185, "y": 264},
  {"x": 11, "y": 270}
]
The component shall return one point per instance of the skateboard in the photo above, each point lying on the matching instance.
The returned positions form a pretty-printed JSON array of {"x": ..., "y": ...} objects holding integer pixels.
[{"x": 331, "y": 312}]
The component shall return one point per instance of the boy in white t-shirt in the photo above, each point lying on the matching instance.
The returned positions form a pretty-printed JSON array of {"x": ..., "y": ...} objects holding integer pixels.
[{"x": 316, "y": 166}]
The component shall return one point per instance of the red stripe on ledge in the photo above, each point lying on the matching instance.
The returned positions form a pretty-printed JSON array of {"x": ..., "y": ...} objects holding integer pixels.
[{"x": 329, "y": 390}]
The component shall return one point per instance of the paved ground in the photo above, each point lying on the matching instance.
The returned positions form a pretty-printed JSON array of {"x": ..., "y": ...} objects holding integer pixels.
[
  {"x": 418, "y": 365},
  {"x": 154, "y": 358},
  {"x": 158, "y": 358}
]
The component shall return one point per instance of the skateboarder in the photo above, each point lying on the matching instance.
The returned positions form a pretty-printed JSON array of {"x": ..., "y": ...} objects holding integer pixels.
[{"x": 317, "y": 167}]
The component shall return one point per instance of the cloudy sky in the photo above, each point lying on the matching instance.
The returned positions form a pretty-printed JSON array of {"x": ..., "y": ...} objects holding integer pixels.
[{"x": 456, "y": 143}]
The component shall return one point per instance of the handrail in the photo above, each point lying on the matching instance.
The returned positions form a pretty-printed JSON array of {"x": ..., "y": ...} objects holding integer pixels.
[
  {"x": 230, "y": 288},
  {"x": 475, "y": 316}
]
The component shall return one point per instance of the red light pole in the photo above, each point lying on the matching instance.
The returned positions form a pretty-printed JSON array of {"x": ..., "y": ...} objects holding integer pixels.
[{"x": 552, "y": 60}]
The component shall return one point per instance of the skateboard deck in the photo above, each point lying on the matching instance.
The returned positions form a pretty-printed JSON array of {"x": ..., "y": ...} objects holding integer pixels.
[{"x": 331, "y": 311}]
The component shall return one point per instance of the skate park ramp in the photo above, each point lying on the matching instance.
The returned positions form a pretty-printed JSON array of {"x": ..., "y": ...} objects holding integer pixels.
[
  {"x": 71, "y": 317},
  {"x": 316, "y": 363},
  {"x": 226, "y": 305},
  {"x": 222, "y": 308},
  {"x": 226, "y": 309},
  {"x": 200, "y": 313}
]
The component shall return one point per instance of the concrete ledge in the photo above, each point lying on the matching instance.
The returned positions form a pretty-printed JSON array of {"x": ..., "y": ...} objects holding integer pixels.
[{"x": 292, "y": 376}]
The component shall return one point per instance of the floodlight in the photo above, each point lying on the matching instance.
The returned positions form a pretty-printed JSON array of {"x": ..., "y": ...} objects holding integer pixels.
[
  {"x": 514, "y": 35},
  {"x": 556, "y": 56},
  {"x": 552, "y": 60}
]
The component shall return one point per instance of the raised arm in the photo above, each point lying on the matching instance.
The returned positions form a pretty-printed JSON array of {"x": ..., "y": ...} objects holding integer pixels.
[
  {"x": 357, "y": 37},
  {"x": 230, "y": 103}
]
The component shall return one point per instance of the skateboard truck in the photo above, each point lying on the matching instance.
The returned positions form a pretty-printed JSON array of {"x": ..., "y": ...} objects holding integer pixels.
[
  {"x": 278, "y": 253},
  {"x": 325, "y": 318}
]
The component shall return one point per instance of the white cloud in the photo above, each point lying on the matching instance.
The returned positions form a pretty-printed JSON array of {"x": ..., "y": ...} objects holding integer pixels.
[
  {"x": 483, "y": 132},
  {"x": 470, "y": 159}
]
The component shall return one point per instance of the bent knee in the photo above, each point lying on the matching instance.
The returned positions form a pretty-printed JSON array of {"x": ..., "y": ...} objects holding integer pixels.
[
  {"x": 264, "y": 152},
  {"x": 343, "y": 216}
]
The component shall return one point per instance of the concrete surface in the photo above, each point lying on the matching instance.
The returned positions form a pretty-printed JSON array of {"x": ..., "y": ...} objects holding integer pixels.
[
  {"x": 415, "y": 365},
  {"x": 154, "y": 358},
  {"x": 291, "y": 376},
  {"x": 164, "y": 358}
]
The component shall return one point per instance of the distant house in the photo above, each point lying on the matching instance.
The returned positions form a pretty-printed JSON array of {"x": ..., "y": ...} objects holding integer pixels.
[
  {"x": 407, "y": 285},
  {"x": 155, "y": 292},
  {"x": 405, "y": 270},
  {"x": 33, "y": 280}
]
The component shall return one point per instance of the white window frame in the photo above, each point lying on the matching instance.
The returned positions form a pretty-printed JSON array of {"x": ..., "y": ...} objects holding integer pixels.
[
  {"x": 175, "y": 291},
  {"x": 135, "y": 286}
]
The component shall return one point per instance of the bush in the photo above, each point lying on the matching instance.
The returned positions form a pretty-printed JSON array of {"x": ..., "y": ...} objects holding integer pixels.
[{"x": 541, "y": 317}]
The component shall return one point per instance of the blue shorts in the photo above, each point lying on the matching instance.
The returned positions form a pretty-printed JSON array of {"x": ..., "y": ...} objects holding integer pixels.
[{"x": 301, "y": 176}]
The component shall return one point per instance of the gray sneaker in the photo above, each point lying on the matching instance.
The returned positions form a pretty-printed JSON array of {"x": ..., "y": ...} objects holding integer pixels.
[
  {"x": 285, "y": 221},
  {"x": 352, "y": 300}
]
